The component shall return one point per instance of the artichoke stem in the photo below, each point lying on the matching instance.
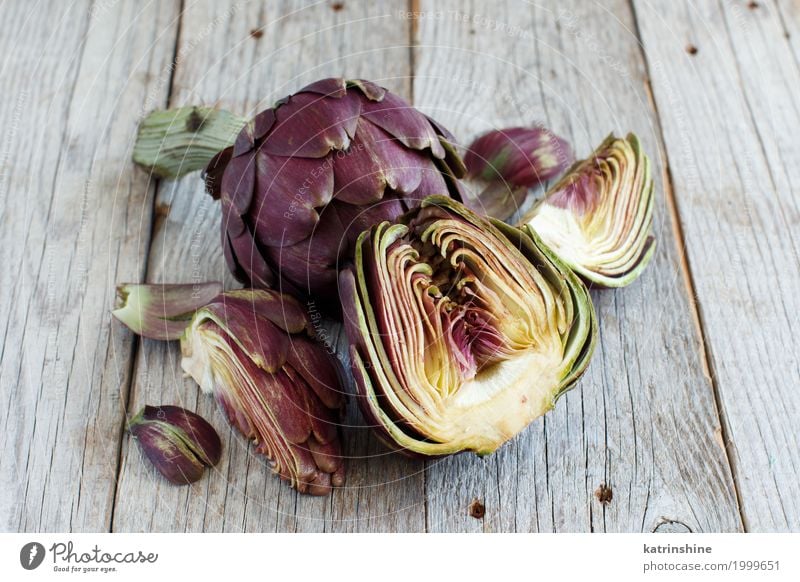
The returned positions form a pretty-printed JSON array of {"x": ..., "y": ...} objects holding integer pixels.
[{"x": 174, "y": 142}]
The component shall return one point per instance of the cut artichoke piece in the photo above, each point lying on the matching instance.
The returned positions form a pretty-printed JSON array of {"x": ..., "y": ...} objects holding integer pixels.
[
  {"x": 255, "y": 351},
  {"x": 503, "y": 164},
  {"x": 179, "y": 443},
  {"x": 462, "y": 330},
  {"x": 598, "y": 217}
]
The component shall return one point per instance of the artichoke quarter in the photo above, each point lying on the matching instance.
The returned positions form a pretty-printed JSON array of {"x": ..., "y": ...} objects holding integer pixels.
[
  {"x": 462, "y": 329},
  {"x": 254, "y": 351},
  {"x": 598, "y": 217}
]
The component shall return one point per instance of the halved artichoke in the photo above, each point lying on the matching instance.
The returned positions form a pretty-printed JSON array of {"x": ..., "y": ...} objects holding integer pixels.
[
  {"x": 462, "y": 329},
  {"x": 598, "y": 217}
]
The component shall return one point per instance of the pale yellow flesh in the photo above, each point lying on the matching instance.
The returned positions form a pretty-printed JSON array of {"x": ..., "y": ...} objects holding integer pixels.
[
  {"x": 566, "y": 236},
  {"x": 499, "y": 402}
]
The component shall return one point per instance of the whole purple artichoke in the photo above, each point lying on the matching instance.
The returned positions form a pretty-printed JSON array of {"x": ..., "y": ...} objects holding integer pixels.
[{"x": 304, "y": 178}]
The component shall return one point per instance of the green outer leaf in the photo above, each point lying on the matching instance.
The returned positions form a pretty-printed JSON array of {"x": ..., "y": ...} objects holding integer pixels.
[
  {"x": 174, "y": 142},
  {"x": 162, "y": 311}
]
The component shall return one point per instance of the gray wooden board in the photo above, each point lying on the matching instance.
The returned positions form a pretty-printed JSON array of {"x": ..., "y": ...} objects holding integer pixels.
[
  {"x": 78, "y": 218},
  {"x": 729, "y": 112},
  {"x": 73, "y": 77}
]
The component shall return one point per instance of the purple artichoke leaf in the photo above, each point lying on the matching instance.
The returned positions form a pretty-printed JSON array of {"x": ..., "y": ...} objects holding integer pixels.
[
  {"x": 179, "y": 443},
  {"x": 399, "y": 119},
  {"x": 311, "y": 125}
]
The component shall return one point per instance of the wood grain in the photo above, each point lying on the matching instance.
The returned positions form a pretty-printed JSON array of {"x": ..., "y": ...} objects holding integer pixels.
[
  {"x": 709, "y": 332},
  {"x": 728, "y": 109},
  {"x": 245, "y": 56},
  {"x": 73, "y": 223},
  {"x": 643, "y": 421}
]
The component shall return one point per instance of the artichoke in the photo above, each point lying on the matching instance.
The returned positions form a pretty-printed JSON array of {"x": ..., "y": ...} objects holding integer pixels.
[
  {"x": 503, "y": 164},
  {"x": 304, "y": 178},
  {"x": 521, "y": 156},
  {"x": 178, "y": 442},
  {"x": 598, "y": 217},
  {"x": 253, "y": 349},
  {"x": 462, "y": 329}
]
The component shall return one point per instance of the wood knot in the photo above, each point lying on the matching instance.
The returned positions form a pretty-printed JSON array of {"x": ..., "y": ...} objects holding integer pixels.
[
  {"x": 477, "y": 509},
  {"x": 604, "y": 494},
  {"x": 691, "y": 49},
  {"x": 162, "y": 210}
]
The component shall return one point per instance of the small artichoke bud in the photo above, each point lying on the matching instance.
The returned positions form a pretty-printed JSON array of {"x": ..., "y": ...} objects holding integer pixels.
[
  {"x": 503, "y": 164},
  {"x": 161, "y": 311},
  {"x": 179, "y": 443},
  {"x": 520, "y": 156}
]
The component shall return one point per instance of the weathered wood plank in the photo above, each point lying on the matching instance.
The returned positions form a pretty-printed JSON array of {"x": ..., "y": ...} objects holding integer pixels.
[
  {"x": 643, "y": 420},
  {"x": 73, "y": 223},
  {"x": 221, "y": 60},
  {"x": 729, "y": 107}
]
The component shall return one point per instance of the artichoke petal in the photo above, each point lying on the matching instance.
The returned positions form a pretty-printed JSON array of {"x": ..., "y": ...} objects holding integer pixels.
[
  {"x": 399, "y": 119},
  {"x": 310, "y": 125},
  {"x": 503, "y": 164},
  {"x": 160, "y": 311},
  {"x": 518, "y": 156},
  {"x": 598, "y": 217},
  {"x": 462, "y": 330},
  {"x": 179, "y": 443},
  {"x": 375, "y": 163},
  {"x": 288, "y": 195}
]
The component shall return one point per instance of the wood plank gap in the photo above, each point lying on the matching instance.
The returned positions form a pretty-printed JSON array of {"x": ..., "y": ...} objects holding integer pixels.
[
  {"x": 174, "y": 62},
  {"x": 688, "y": 277},
  {"x": 136, "y": 347},
  {"x": 782, "y": 18}
]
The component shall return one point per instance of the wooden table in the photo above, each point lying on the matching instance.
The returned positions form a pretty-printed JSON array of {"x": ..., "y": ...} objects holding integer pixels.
[{"x": 688, "y": 418}]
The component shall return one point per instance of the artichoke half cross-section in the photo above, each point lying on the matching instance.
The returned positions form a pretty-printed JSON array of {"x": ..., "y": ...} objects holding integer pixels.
[{"x": 462, "y": 329}]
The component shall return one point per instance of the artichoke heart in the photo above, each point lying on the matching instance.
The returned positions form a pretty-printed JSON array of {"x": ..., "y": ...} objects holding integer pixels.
[
  {"x": 598, "y": 217},
  {"x": 462, "y": 329}
]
